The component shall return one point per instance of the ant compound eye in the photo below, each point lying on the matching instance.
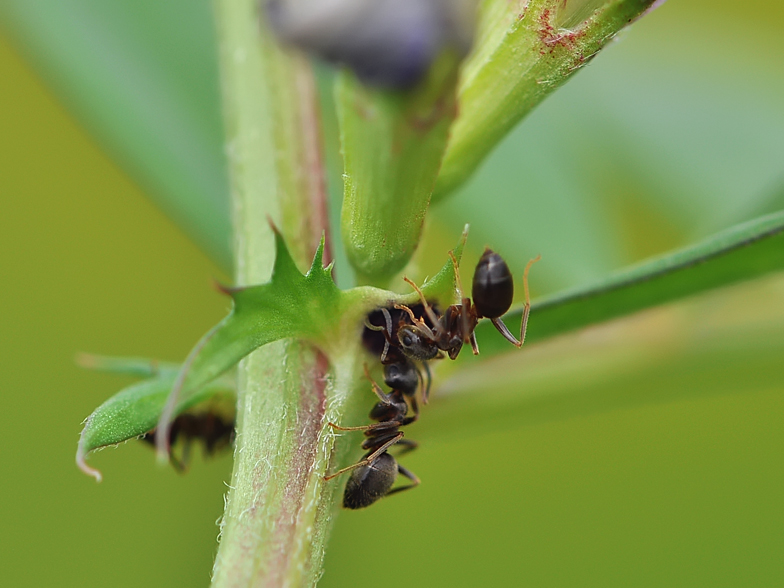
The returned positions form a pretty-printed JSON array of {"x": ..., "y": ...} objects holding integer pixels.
[
  {"x": 406, "y": 340},
  {"x": 415, "y": 345}
]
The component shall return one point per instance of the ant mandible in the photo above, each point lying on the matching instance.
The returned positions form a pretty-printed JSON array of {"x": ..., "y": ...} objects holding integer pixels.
[
  {"x": 373, "y": 476},
  {"x": 492, "y": 290}
]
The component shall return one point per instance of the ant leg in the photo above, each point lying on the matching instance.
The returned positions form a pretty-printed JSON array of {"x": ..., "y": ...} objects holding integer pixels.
[
  {"x": 502, "y": 328},
  {"x": 499, "y": 324},
  {"x": 360, "y": 428},
  {"x": 408, "y": 445},
  {"x": 369, "y": 459},
  {"x": 376, "y": 388},
  {"x": 415, "y": 408},
  {"x": 387, "y": 331},
  {"x": 180, "y": 465},
  {"x": 527, "y": 309},
  {"x": 474, "y": 344},
  {"x": 430, "y": 314},
  {"x": 408, "y": 474},
  {"x": 426, "y": 387}
]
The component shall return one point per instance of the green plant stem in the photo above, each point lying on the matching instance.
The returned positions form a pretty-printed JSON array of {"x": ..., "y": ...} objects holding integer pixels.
[{"x": 278, "y": 507}]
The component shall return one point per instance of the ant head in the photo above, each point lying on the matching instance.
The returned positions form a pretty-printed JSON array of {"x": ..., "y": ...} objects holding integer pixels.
[{"x": 416, "y": 344}]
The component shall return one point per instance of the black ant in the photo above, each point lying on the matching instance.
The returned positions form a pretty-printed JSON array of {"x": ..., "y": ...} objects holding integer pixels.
[
  {"x": 373, "y": 476},
  {"x": 391, "y": 355},
  {"x": 492, "y": 290},
  {"x": 216, "y": 433}
]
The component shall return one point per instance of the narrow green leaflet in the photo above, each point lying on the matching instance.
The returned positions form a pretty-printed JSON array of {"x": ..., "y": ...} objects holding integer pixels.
[
  {"x": 740, "y": 253},
  {"x": 524, "y": 52},
  {"x": 135, "y": 410}
]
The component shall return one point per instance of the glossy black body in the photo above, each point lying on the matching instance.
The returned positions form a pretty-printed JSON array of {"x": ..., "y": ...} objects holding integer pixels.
[
  {"x": 369, "y": 483},
  {"x": 492, "y": 291},
  {"x": 493, "y": 286},
  {"x": 374, "y": 475}
]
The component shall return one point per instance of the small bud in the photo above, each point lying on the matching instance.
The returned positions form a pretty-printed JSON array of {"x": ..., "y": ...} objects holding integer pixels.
[{"x": 386, "y": 43}]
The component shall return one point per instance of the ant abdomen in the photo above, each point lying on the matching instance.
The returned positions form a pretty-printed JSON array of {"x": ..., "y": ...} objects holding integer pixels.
[
  {"x": 371, "y": 482},
  {"x": 493, "y": 286}
]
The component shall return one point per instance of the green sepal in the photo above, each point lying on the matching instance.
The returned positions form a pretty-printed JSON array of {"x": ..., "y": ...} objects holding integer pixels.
[{"x": 135, "y": 410}]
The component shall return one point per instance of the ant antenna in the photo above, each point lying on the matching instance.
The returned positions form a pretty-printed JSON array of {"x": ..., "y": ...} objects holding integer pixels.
[
  {"x": 430, "y": 314},
  {"x": 419, "y": 323}
]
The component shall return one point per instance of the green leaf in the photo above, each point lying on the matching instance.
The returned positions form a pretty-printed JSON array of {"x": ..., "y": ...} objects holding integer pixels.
[
  {"x": 308, "y": 307},
  {"x": 135, "y": 410},
  {"x": 520, "y": 58},
  {"x": 392, "y": 144},
  {"x": 727, "y": 342},
  {"x": 740, "y": 253}
]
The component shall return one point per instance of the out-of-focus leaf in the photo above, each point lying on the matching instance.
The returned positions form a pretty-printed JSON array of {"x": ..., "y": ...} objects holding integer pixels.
[
  {"x": 130, "y": 366},
  {"x": 142, "y": 77},
  {"x": 741, "y": 253},
  {"x": 291, "y": 305},
  {"x": 524, "y": 53},
  {"x": 136, "y": 409},
  {"x": 728, "y": 342}
]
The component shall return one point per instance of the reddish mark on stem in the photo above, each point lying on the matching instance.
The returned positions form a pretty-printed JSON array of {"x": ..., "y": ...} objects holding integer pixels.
[
  {"x": 552, "y": 38},
  {"x": 309, "y": 424}
]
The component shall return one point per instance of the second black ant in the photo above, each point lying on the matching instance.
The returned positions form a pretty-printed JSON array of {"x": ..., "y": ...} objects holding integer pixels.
[{"x": 492, "y": 291}]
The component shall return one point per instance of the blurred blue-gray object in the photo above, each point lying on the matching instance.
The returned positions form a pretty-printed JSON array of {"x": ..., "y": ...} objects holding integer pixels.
[{"x": 387, "y": 43}]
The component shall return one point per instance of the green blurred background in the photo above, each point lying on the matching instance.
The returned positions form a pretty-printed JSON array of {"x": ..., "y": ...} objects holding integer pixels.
[{"x": 646, "y": 452}]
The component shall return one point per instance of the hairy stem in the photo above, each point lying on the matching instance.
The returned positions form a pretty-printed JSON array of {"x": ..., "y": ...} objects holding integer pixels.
[{"x": 278, "y": 507}]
